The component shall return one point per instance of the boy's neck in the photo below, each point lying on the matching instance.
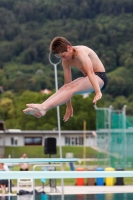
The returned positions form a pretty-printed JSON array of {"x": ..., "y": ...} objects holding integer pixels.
[{"x": 74, "y": 53}]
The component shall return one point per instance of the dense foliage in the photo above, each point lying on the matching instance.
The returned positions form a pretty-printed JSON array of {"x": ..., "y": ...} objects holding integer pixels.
[
  {"x": 12, "y": 105},
  {"x": 27, "y": 27}
]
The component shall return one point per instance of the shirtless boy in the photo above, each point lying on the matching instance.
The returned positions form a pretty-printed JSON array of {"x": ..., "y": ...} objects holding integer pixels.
[{"x": 94, "y": 79}]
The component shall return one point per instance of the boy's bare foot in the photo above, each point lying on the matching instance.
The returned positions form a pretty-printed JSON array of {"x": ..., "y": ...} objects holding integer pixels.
[{"x": 34, "y": 109}]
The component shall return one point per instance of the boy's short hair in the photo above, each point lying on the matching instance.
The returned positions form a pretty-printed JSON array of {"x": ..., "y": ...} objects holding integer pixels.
[{"x": 59, "y": 45}]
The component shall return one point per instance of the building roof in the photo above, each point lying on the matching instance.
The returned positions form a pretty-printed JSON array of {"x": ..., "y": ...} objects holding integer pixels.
[{"x": 43, "y": 132}]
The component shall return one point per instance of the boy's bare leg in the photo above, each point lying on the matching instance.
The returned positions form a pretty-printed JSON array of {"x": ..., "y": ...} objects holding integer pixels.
[
  {"x": 3, "y": 189},
  {"x": 81, "y": 85},
  {"x": 60, "y": 90},
  {"x": 36, "y": 112}
]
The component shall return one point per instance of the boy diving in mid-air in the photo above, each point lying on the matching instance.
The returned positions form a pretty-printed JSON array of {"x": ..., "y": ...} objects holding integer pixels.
[{"x": 94, "y": 79}]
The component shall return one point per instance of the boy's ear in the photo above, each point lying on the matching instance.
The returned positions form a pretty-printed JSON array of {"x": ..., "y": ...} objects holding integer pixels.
[{"x": 69, "y": 48}]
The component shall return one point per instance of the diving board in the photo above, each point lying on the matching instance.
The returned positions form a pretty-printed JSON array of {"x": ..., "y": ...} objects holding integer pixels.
[
  {"x": 38, "y": 160},
  {"x": 63, "y": 174}
]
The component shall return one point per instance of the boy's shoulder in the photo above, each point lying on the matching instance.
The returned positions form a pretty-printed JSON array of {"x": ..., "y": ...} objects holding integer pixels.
[{"x": 82, "y": 48}]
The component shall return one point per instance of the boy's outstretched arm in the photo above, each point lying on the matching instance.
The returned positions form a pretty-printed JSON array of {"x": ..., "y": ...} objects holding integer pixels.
[{"x": 87, "y": 64}]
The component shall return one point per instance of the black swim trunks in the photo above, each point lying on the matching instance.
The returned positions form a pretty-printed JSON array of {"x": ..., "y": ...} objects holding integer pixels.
[
  {"x": 104, "y": 77},
  {"x": 4, "y": 182}
]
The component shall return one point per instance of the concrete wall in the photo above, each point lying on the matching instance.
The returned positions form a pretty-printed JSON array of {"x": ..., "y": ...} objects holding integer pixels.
[{"x": 18, "y": 139}]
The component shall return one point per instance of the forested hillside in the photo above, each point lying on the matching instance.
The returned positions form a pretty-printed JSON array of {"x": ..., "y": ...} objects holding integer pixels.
[{"x": 27, "y": 27}]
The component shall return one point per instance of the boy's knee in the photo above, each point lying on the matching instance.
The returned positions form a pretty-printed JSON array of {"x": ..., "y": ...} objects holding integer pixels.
[
  {"x": 65, "y": 87},
  {"x": 68, "y": 86},
  {"x": 71, "y": 88}
]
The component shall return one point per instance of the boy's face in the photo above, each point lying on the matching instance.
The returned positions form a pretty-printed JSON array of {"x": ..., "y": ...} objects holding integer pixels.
[
  {"x": 24, "y": 155},
  {"x": 1, "y": 165},
  {"x": 66, "y": 55}
]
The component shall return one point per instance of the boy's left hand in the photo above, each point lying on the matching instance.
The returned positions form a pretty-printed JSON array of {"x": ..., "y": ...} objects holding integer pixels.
[
  {"x": 97, "y": 97},
  {"x": 68, "y": 114}
]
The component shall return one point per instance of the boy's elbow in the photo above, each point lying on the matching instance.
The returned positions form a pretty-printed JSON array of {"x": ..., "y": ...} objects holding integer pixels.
[{"x": 90, "y": 72}]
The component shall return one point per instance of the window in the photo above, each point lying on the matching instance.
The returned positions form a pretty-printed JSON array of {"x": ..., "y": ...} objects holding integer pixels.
[
  {"x": 14, "y": 141},
  {"x": 1, "y": 141},
  {"x": 67, "y": 141},
  {"x": 33, "y": 141},
  {"x": 74, "y": 141},
  {"x": 80, "y": 140}
]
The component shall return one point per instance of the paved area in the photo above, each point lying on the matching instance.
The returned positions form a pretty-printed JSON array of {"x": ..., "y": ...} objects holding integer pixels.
[
  {"x": 80, "y": 189},
  {"x": 92, "y": 189}
]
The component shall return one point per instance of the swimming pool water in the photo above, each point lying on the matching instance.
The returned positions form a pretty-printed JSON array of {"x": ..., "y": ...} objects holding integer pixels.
[{"x": 119, "y": 196}]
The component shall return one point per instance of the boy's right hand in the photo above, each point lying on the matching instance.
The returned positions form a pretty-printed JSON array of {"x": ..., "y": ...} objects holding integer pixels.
[
  {"x": 97, "y": 97},
  {"x": 68, "y": 114}
]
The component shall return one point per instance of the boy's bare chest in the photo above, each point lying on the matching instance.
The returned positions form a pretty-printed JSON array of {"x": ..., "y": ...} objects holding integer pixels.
[{"x": 76, "y": 63}]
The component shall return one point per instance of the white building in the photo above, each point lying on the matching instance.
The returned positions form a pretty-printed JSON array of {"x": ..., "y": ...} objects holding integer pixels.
[{"x": 16, "y": 137}]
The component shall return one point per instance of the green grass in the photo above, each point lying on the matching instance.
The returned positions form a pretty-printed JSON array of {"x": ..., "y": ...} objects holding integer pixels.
[
  {"x": 38, "y": 152},
  {"x": 38, "y": 182}
]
